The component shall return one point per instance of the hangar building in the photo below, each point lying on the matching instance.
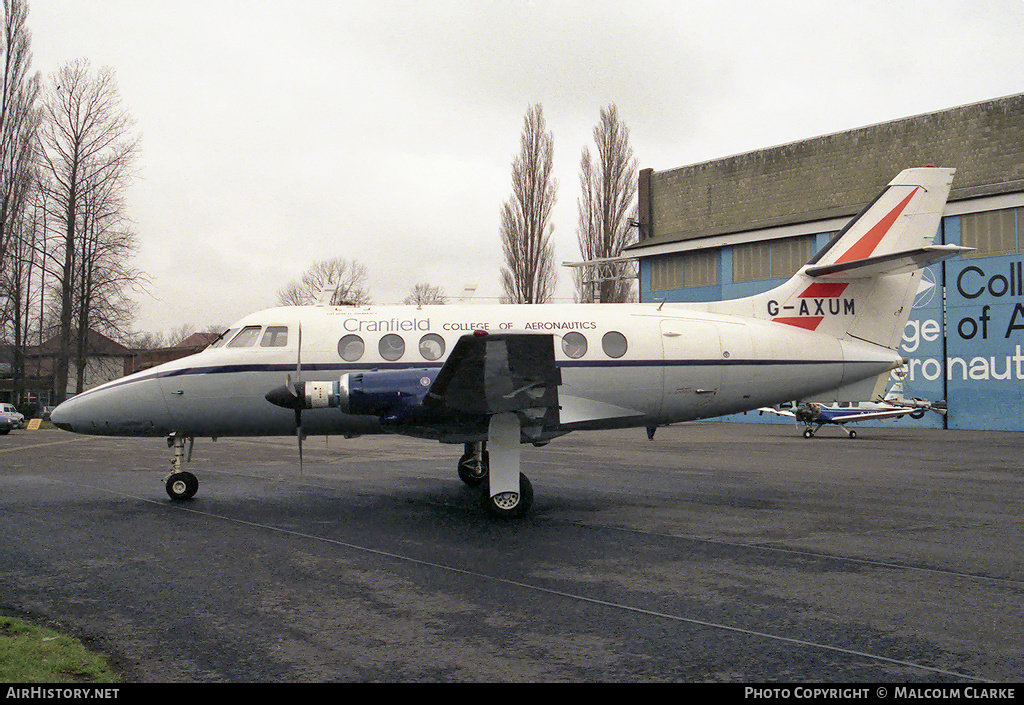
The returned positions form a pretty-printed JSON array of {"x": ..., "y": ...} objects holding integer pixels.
[{"x": 741, "y": 225}]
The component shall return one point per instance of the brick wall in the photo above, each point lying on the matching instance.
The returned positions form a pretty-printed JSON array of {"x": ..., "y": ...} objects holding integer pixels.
[{"x": 836, "y": 175}]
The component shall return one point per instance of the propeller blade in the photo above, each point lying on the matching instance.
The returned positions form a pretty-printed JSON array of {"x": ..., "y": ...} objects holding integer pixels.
[{"x": 298, "y": 406}]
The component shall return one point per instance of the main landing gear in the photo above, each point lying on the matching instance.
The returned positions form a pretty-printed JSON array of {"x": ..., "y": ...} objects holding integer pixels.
[
  {"x": 809, "y": 433},
  {"x": 181, "y": 485},
  {"x": 507, "y": 493}
]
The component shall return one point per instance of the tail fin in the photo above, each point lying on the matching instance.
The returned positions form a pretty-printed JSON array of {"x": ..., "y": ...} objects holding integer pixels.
[{"x": 862, "y": 284}]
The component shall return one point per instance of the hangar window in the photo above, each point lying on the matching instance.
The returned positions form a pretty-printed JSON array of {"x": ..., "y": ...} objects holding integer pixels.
[
  {"x": 991, "y": 233},
  {"x": 391, "y": 347},
  {"x": 751, "y": 262},
  {"x": 790, "y": 254},
  {"x": 431, "y": 346},
  {"x": 351, "y": 348},
  {"x": 275, "y": 337},
  {"x": 247, "y": 338},
  {"x": 574, "y": 344},
  {"x": 666, "y": 272},
  {"x": 614, "y": 344},
  {"x": 700, "y": 268},
  {"x": 771, "y": 259}
]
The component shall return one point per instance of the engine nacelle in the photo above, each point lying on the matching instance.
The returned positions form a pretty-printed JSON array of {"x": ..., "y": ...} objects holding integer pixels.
[
  {"x": 808, "y": 413},
  {"x": 395, "y": 396}
]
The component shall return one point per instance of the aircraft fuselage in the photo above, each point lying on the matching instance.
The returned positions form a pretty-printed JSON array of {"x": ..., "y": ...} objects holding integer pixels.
[{"x": 622, "y": 365}]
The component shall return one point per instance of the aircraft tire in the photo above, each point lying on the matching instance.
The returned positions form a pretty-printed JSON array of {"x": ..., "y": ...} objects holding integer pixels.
[
  {"x": 470, "y": 472},
  {"x": 808, "y": 433},
  {"x": 511, "y": 507},
  {"x": 182, "y": 486},
  {"x": 853, "y": 434}
]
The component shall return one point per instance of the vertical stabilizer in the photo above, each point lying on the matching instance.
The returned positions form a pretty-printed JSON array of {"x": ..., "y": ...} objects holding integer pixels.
[{"x": 861, "y": 285}]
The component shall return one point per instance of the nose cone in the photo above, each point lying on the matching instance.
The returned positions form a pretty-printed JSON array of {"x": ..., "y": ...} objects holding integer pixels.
[
  {"x": 286, "y": 396},
  {"x": 125, "y": 407},
  {"x": 63, "y": 416}
]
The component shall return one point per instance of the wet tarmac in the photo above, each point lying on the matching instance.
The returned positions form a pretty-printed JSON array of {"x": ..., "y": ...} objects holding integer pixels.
[{"x": 715, "y": 552}]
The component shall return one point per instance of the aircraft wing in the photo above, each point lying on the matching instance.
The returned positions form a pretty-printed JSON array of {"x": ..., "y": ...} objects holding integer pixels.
[
  {"x": 867, "y": 415},
  {"x": 777, "y": 412},
  {"x": 488, "y": 374}
]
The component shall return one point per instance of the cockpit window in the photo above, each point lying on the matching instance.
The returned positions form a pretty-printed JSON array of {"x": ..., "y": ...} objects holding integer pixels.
[
  {"x": 224, "y": 337},
  {"x": 275, "y": 337},
  {"x": 247, "y": 338}
]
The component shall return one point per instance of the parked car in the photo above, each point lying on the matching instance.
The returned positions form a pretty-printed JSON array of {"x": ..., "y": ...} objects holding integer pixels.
[
  {"x": 6, "y": 424},
  {"x": 8, "y": 411}
]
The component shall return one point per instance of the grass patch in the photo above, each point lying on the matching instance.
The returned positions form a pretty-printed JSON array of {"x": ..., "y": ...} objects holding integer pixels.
[{"x": 33, "y": 654}]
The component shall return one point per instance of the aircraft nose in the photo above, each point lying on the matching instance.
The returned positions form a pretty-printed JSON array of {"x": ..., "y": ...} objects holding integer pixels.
[{"x": 63, "y": 416}]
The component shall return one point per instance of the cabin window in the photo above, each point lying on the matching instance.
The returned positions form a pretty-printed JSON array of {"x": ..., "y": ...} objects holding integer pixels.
[
  {"x": 574, "y": 344},
  {"x": 614, "y": 344},
  {"x": 247, "y": 338},
  {"x": 431, "y": 346},
  {"x": 351, "y": 348},
  {"x": 275, "y": 337},
  {"x": 391, "y": 347}
]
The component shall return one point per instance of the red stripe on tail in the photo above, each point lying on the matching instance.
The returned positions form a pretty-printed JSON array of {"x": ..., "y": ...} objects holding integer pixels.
[
  {"x": 869, "y": 241},
  {"x": 824, "y": 290}
]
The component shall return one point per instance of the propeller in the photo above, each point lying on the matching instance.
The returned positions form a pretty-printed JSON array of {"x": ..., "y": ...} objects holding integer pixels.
[
  {"x": 290, "y": 396},
  {"x": 298, "y": 401}
]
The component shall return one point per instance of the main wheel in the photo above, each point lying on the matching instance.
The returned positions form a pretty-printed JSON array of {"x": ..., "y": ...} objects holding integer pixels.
[
  {"x": 808, "y": 433},
  {"x": 182, "y": 485},
  {"x": 472, "y": 472},
  {"x": 853, "y": 434},
  {"x": 511, "y": 505}
]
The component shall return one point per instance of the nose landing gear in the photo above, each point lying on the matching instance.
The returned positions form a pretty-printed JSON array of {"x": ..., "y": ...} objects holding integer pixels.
[{"x": 181, "y": 485}]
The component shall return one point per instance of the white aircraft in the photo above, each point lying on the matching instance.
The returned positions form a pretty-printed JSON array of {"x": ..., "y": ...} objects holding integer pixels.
[
  {"x": 894, "y": 405},
  {"x": 494, "y": 377}
]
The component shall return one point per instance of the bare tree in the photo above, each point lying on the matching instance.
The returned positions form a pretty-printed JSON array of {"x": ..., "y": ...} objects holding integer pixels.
[
  {"x": 18, "y": 124},
  {"x": 18, "y": 120},
  {"x": 86, "y": 152},
  {"x": 608, "y": 188},
  {"x": 347, "y": 279},
  {"x": 426, "y": 295},
  {"x": 529, "y": 274}
]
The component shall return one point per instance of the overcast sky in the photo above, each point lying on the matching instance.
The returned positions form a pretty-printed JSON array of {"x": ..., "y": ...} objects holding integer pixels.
[{"x": 278, "y": 133}]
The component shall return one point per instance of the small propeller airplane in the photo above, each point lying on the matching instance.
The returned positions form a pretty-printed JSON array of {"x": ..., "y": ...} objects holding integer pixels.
[
  {"x": 814, "y": 415},
  {"x": 516, "y": 374}
]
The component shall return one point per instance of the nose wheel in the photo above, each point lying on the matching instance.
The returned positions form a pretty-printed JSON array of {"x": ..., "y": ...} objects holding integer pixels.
[{"x": 181, "y": 485}]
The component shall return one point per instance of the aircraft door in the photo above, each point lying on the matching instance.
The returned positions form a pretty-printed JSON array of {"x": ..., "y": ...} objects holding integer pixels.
[{"x": 692, "y": 367}]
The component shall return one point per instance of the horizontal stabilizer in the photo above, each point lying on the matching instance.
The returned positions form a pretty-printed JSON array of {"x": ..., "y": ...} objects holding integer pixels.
[{"x": 892, "y": 263}]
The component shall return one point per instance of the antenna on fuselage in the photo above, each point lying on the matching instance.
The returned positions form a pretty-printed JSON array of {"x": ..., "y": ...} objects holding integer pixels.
[{"x": 326, "y": 295}]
